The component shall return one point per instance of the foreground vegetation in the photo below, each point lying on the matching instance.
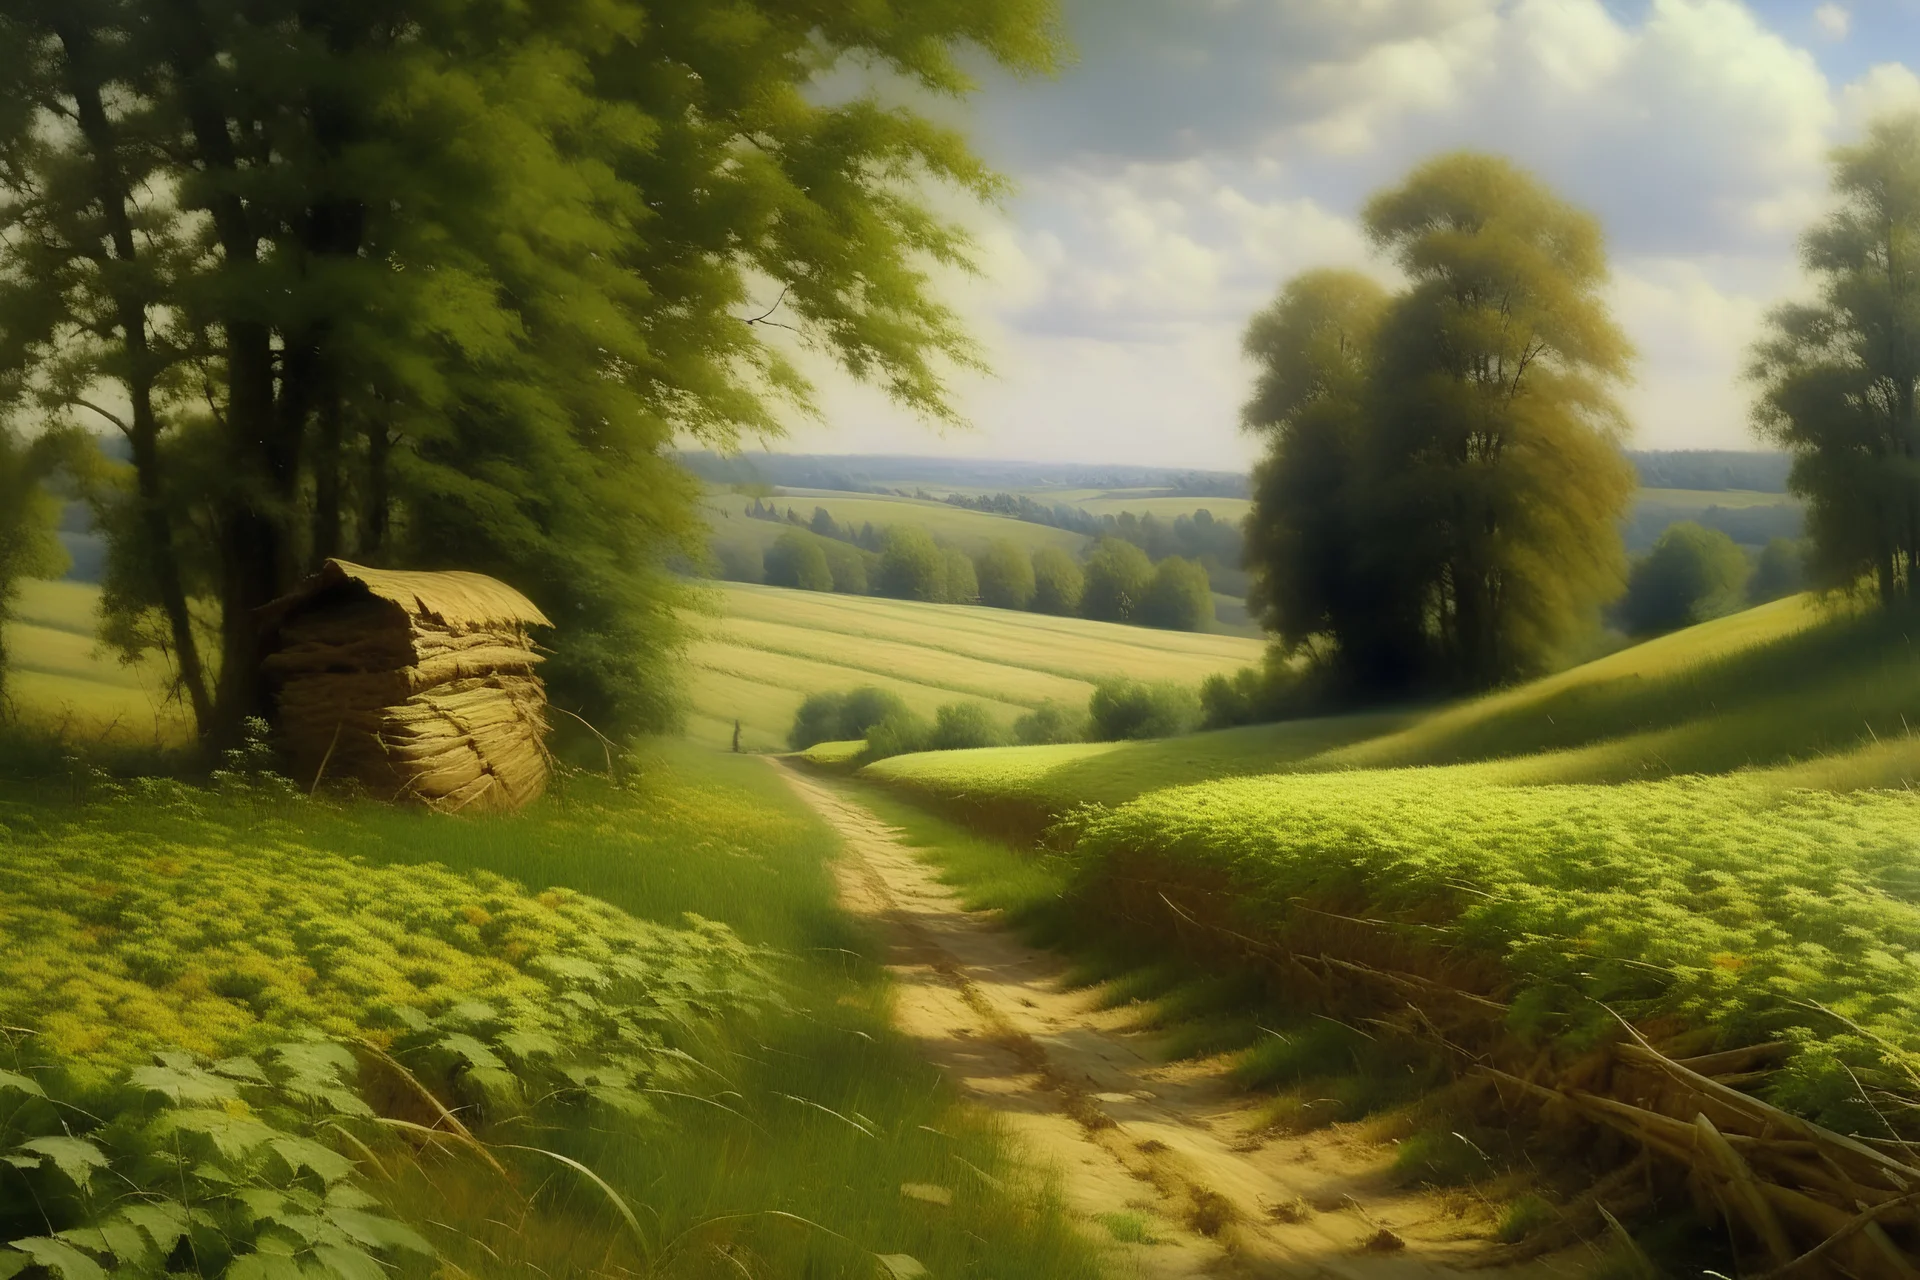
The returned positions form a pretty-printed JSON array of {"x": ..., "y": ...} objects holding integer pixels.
[{"x": 651, "y": 1043}]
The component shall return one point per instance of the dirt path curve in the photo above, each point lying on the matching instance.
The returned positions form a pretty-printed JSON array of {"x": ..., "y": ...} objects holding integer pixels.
[{"x": 1143, "y": 1148}]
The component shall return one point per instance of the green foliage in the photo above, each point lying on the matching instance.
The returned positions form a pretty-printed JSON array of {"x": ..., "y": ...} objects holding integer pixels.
[
  {"x": 1179, "y": 597},
  {"x": 1841, "y": 376},
  {"x": 1005, "y": 575},
  {"x": 1444, "y": 488},
  {"x": 28, "y": 516},
  {"x": 1719, "y": 903},
  {"x": 848, "y": 565},
  {"x": 1691, "y": 574},
  {"x": 900, "y": 734},
  {"x": 957, "y": 581},
  {"x": 1781, "y": 571},
  {"x": 797, "y": 560},
  {"x": 471, "y": 275},
  {"x": 1118, "y": 575},
  {"x": 1049, "y": 723},
  {"x": 911, "y": 566},
  {"x": 964, "y": 726},
  {"x": 1058, "y": 584},
  {"x": 1523, "y": 1217},
  {"x": 1253, "y": 695},
  {"x": 842, "y": 717},
  {"x": 1129, "y": 709}
]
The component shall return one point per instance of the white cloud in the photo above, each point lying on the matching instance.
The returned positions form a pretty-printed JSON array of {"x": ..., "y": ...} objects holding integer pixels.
[
  {"x": 1884, "y": 90},
  {"x": 1833, "y": 20}
]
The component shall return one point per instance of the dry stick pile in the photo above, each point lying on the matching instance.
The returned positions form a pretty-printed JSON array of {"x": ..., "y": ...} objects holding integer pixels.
[
  {"x": 1799, "y": 1199},
  {"x": 451, "y": 715}
]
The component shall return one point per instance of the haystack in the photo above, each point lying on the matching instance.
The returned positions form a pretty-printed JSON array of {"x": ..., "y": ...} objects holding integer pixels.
[{"x": 420, "y": 685}]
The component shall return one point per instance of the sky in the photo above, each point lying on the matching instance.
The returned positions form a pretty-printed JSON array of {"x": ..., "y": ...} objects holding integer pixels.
[{"x": 1199, "y": 153}]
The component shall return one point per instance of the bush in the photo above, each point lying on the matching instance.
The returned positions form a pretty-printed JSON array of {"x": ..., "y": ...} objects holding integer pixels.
[
  {"x": 1692, "y": 574},
  {"x": 841, "y": 717},
  {"x": 911, "y": 567},
  {"x": 901, "y": 733},
  {"x": 740, "y": 564},
  {"x": 1781, "y": 572},
  {"x": 1180, "y": 597},
  {"x": 1058, "y": 583},
  {"x": 1005, "y": 575},
  {"x": 1251, "y": 695},
  {"x": 849, "y": 567},
  {"x": 1124, "y": 709},
  {"x": 961, "y": 726},
  {"x": 959, "y": 584},
  {"x": 1047, "y": 724},
  {"x": 796, "y": 560},
  {"x": 1117, "y": 577}
]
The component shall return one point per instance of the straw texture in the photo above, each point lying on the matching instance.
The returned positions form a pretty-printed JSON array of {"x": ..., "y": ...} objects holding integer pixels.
[{"x": 420, "y": 685}]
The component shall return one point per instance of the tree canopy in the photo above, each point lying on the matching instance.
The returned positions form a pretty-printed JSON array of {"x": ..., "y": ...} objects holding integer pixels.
[
  {"x": 1443, "y": 485},
  {"x": 1840, "y": 376},
  {"x": 1691, "y": 574},
  {"x": 439, "y": 286}
]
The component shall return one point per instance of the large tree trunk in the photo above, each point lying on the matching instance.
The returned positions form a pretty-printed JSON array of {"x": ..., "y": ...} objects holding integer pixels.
[{"x": 143, "y": 434}]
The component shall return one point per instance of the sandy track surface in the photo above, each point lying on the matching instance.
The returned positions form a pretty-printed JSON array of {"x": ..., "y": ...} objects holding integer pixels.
[{"x": 1136, "y": 1141}]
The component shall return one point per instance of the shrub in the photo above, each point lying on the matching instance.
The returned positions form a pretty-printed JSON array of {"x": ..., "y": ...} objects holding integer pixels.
[
  {"x": 841, "y": 717},
  {"x": 1005, "y": 575},
  {"x": 959, "y": 585},
  {"x": 849, "y": 567},
  {"x": 1252, "y": 695},
  {"x": 911, "y": 567},
  {"x": 866, "y": 707},
  {"x": 1781, "y": 572},
  {"x": 1124, "y": 709},
  {"x": 1179, "y": 598},
  {"x": 796, "y": 560},
  {"x": 1692, "y": 574},
  {"x": 1117, "y": 577},
  {"x": 1058, "y": 583},
  {"x": 961, "y": 726},
  {"x": 901, "y": 733},
  {"x": 1048, "y": 724},
  {"x": 740, "y": 564}
]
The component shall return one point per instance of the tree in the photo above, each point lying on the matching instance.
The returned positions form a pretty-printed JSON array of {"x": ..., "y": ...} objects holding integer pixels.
[
  {"x": 1496, "y": 458},
  {"x": 1691, "y": 574},
  {"x": 849, "y": 566},
  {"x": 1057, "y": 583},
  {"x": 1049, "y": 723},
  {"x": 1305, "y": 548},
  {"x": 796, "y": 560},
  {"x": 1840, "y": 377},
  {"x": 441, "y": 285},
  {"x": 1117, "y": 576},
  {"x": 958, "y": 584},
  {"x": 1179, "y": 597},
  {"x": 823, "y": 523},
  {"x": 1781, "y": 571},
  {"x": 1441, "y": 497},
  {"x": 911, "y": 566},
  {"x": 1005, "y": 575}
]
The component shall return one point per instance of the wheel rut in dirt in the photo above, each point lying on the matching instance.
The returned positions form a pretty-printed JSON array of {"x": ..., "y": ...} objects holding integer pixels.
[{"x": 1163, "y": 1158}]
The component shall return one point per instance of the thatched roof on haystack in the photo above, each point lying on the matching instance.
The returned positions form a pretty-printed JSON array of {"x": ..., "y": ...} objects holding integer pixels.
[{"x": 421, "y": 685}]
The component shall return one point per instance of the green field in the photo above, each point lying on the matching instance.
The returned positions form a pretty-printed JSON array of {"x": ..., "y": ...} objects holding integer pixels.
[
  {"x": 971, "y": 531},
  {"x": 58, "y": 678},
  {"x": 771, "y": 647}
]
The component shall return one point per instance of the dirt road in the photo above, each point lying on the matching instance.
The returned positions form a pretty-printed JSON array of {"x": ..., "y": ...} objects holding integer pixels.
[{"x": 1162, "y": 1158}]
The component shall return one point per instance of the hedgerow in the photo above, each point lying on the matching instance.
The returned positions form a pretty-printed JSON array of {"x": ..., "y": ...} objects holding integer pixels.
[{"x": 1714, "y": 902}]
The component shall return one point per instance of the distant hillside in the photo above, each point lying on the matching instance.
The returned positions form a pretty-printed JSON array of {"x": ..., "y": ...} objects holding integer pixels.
[
  {"x": 1718, "y": 469},
  {"x": 876, "y": 473}
]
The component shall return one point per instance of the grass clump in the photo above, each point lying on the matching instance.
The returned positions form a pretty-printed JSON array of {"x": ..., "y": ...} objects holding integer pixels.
[{"x": 1526, "y": 1215}]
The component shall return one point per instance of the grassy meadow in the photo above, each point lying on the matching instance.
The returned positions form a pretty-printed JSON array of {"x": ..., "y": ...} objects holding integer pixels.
[
  {"x": 769, "y": 647},
  {"x": 58, "y": 679},
  {"x": 971, "y": 531},
  {"x": 670, "y": 1049}
]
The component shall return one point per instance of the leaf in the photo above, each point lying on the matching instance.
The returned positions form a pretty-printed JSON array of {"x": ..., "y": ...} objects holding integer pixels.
[
  {"x": 21, "y": 1084},
  {"x": 75, "y": 1157},
  {"x": 241, "y": 1069},
  {"x": 60, "y": 1258},
  {"x": 121, "y": 1239},
  {"x": 164, "y": 1222},
  {"x": 379, "y": 1233},
  {"x": 13, "y": 1262},
  {"x": 530, "y": 1044},
  {"x": 926, "y": 1191},
  {"x": 303, "y": 1153},
  {"x": 348, "y": 1264},
  {"x": 471, "y": 1051},
  {"x": 234, "y": 1137},
  {"x": 191, "y": 1086},
  {"x": 901, "y": 1266},
  {"x": 264, "y": 1266}
]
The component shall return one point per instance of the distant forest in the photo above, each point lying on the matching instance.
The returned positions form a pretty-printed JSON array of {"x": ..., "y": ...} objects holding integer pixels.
[{"x": 1707, "y": 469}]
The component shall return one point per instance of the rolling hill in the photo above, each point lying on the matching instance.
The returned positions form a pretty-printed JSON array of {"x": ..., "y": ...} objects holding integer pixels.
[{"x": 58, "y": 678}]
